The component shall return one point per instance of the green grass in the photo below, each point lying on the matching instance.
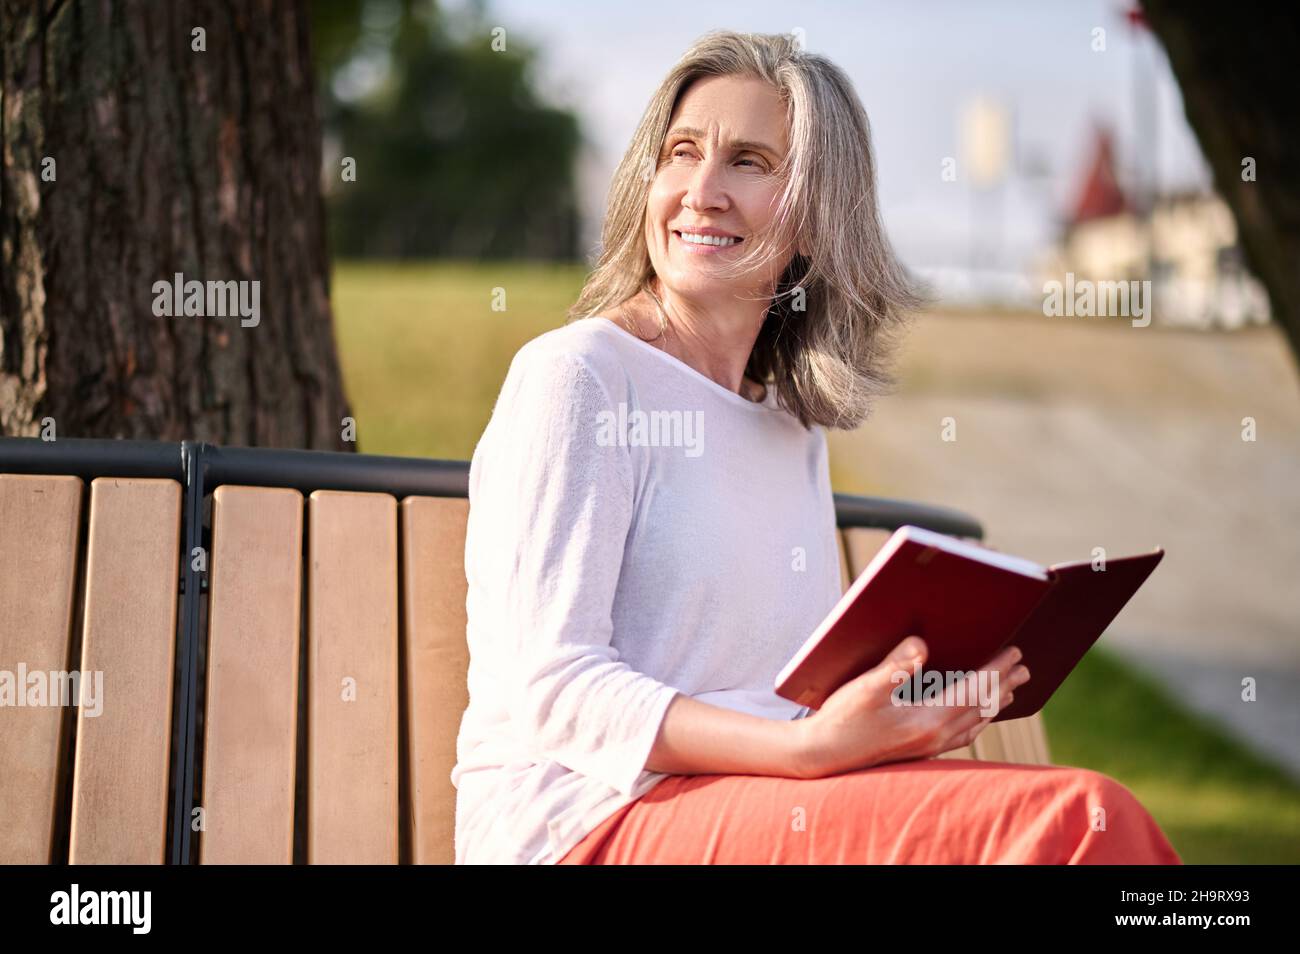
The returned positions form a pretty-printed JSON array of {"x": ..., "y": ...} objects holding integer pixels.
[{"x": 424, "y": 355}]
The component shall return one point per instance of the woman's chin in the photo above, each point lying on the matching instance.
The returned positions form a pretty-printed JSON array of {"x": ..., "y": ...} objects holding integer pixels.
[{"x": 696, "y": 283}]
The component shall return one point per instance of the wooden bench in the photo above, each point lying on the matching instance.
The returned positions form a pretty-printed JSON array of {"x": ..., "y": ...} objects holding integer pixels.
[{"x": 282, "y": 641}]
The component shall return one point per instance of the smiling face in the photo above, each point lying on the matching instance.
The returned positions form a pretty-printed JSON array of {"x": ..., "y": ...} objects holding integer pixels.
[{"x": 715, "y": 189}]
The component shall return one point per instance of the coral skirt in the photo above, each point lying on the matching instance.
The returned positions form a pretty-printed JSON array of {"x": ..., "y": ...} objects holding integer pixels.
[{"x": 930, "y": 811}]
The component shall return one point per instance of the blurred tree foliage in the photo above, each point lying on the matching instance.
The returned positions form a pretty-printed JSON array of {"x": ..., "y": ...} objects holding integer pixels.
[{"x": 455, "y": 154}]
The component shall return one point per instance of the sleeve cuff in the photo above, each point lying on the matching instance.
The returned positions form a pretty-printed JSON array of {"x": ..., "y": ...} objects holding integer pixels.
[{"x": 638, "y": 756}]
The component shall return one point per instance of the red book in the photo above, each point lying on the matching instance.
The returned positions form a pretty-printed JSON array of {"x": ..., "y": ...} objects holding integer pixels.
[{"x": 967, "y": 602}]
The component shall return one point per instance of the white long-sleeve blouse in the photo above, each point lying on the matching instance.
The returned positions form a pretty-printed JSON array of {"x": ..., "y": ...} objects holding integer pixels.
[{"x": 635, "y": 530}]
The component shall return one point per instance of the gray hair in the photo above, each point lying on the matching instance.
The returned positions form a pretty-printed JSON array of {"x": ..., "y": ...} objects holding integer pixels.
[{"x": 828, "y": 360}]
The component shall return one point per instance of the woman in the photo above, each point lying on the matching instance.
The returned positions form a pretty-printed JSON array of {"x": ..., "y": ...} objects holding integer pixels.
[{"x": 652, "y": 532}]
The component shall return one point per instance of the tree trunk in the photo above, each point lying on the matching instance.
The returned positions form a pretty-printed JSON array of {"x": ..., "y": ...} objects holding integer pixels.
[
  {"x": 1236, "y": 69},
  {"x": 131, "y": 155}
]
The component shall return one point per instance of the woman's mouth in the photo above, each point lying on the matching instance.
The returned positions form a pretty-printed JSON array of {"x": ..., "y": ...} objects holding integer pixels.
[{"x": 697, "y": 244}]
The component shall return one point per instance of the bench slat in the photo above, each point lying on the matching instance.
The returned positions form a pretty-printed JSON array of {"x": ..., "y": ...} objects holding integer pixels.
[
  {"x": 39, "y": 521},
  {"x": 436, "y": 659},
  {"x": 119, "y": 790},
  {"x": 250, "y": 728},
  {"x": 352, "y": 671},
  {"x": 1016, "y": 740}
]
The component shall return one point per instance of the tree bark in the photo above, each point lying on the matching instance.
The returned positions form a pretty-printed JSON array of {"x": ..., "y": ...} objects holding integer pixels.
[
  {"x": 1235, "y": 67},
  {"x": 166, "y": 159}
]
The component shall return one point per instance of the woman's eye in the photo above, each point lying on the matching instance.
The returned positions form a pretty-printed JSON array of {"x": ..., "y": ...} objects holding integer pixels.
[{"x": 685, "y": 152}]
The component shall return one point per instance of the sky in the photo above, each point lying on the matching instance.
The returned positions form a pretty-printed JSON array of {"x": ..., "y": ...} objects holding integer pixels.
[{"x": 915, "y": 66}]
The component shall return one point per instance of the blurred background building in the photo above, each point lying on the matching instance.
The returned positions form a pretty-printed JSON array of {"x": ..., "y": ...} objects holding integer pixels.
[{"x": 1184, "y": 243}]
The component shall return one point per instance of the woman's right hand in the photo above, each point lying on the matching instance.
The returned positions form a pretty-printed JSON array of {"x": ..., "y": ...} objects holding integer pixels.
[{"x": 859, "y": 725}]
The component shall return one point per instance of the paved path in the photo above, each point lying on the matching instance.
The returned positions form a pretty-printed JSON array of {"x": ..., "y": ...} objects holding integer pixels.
[{"x": 1075, "y": 433}]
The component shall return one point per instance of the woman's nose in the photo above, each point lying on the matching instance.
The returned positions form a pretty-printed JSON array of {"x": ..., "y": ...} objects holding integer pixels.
[{"x": 706, "y": 189}]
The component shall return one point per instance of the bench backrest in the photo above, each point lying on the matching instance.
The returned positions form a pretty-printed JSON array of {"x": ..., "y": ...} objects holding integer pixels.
[{"x": 331, "y": 686}]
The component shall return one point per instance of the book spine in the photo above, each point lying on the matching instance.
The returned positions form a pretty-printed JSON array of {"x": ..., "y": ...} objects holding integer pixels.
[{"x": 1053, "y": 580}]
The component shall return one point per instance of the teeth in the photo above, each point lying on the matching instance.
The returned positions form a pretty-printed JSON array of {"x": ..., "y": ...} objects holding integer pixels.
[{"x": 706, "y": 239}]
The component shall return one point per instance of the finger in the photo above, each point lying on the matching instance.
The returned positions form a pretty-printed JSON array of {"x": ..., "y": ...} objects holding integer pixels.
[
  {"x": 969, "y": 721},
  {"x": 907, "y": 657},
  {"x": 971, "y": 734},
  {"x": 964, "y": 692},
  {"x": 965, "y": 718},
  {"x": 969, "y": 691},
  {"x": 999, "y": 672},
  {"x": 947, "y": 741},
  {"x": 1005, "y": 658},
  {"x": 1007, "y": 668},
  {"x": 912, "y": 647},
  {"x": 951, "y": 729},
  {"x": 885, "y": 680},
  {"x": 1007, "y": 685}
]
